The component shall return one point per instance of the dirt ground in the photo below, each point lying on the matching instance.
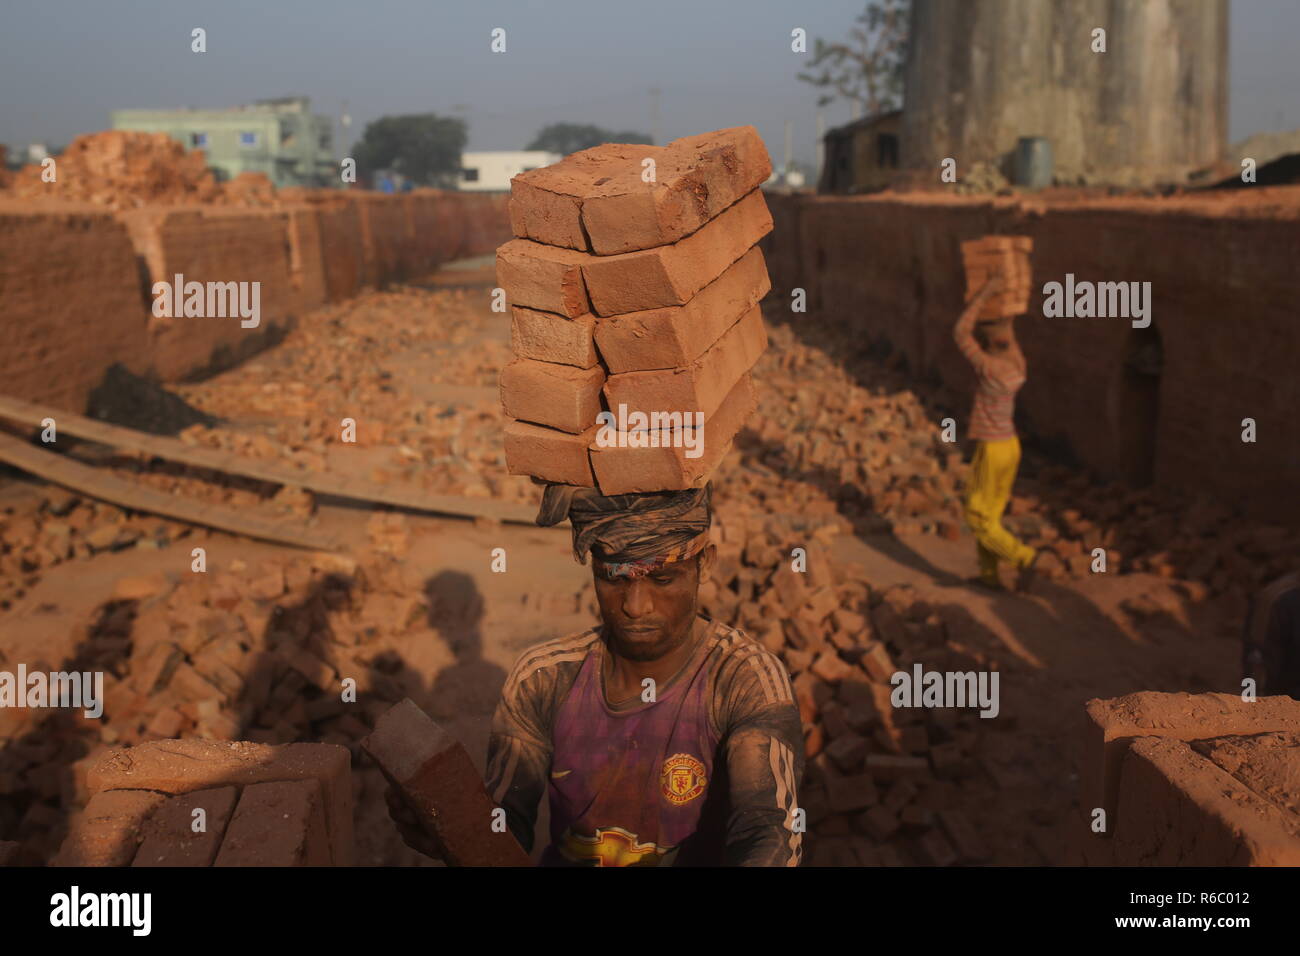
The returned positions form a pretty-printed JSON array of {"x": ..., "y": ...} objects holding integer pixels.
[{"x": 1067, "y": 642}]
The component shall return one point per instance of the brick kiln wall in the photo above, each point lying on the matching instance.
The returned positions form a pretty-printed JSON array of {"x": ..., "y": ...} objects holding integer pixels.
[
  {"x": 70, "y": 301},
  {"x": 75, "y": 279}
]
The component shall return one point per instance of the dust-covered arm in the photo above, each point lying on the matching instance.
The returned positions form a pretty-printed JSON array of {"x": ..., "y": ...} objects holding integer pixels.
[
  {"x": 763, "y": 745},
  {"x": 519, "y": 753},
  {"x": 963, "y": 331}
]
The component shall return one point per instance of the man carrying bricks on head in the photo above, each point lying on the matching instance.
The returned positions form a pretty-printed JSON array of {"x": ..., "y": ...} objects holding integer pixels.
[
  {"x": 662, "y": 738},
  {"x": 1000, "y": 368}
]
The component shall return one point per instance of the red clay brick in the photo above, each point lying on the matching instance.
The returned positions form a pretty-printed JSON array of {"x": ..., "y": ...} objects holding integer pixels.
[
  {"x": 1112, "y": 725},
  {"x": 880, "y": 823},
  {"x": 183, "y": 766},
  {"x": 436, "y": 777},
  {"x": 315, "y": 670},
  {"x": 892, "y": 767},
  {"x": 559, "y": 396},
  {"x": 846, "y": 794},
  {"x": 543, "y": 277},
  {"x": 935, "y": 850},
  {"x": 277, "y": 824},
  {"x": 549, "y": 454},
  {"x": 624, "y": 470},
  {"x": 700, "y": 386},
  {"x": 1179, "y": 809},
  {"x": 169, "y": 836},
  {"x": 601, "y": 190},
  {"x": 109, "y": 830},
  {"x": 671, "y": 275},
  {"x": 876, "y": 661},
  {"x": 678, "y": 335},
  {"x": 548, "y": 337}
]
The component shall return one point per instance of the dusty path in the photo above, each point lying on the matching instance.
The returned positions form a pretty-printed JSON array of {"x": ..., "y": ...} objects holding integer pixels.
[{"x": 1055, "y": 649}]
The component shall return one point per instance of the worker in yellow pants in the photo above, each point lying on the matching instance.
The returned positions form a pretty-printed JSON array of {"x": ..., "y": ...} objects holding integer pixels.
[
  {"x": 999, "y": 367},
  {"x": 993, "y": 472}
]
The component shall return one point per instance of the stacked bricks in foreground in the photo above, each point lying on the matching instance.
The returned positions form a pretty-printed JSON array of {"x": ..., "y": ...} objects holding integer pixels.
[
  {"x": 262, "y": 806},
  {"x": 638, "y": 298},
  {"x": 1190, "y": 780}
]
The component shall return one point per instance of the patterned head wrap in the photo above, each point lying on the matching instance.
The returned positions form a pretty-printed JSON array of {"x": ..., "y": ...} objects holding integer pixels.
[{"x": 632, "y": 535}]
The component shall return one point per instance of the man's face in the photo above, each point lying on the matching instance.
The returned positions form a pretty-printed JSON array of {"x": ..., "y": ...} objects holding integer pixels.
[{"x": 648, "y": 617}]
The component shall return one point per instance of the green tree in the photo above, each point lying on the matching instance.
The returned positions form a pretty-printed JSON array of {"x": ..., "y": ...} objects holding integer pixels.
[
  {"x": 424, "y": 148},
  {"x": 869, "y": 69},
  {"x": 569, "y": 138}
]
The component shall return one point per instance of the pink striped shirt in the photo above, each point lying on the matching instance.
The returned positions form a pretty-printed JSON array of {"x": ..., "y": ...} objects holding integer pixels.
[{"x": 992, "y": 417}]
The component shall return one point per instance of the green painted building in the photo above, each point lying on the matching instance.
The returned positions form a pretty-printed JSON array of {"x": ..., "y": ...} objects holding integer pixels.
[{"x": 278, "y": 137}]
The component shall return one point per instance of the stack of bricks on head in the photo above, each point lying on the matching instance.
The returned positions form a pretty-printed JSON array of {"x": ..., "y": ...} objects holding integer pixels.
[
  {"x": 1006, "y": 257},
  {"x": 634, "y": 287}
]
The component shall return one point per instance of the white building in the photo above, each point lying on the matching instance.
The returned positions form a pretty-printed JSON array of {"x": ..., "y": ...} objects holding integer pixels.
[{"x": 491, "y": 171}]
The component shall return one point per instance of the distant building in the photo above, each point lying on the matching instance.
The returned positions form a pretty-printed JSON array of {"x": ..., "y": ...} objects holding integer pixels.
[
  {"x": 861, "y": 156},
  {"x": 492, "y": 171},
  {"x": 278, "y": 137}
]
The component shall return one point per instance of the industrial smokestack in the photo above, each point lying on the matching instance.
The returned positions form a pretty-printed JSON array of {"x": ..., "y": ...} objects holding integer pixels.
[{"x": 983, "y": 73}]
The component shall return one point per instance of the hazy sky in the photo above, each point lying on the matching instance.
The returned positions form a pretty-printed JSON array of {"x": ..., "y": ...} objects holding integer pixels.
[{"x": 64, "y": 64}]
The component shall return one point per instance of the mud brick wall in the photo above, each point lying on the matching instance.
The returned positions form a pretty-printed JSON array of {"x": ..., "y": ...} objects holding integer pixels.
[
  {"x": 288, "y": 805},
  {"x": 75, "y": 281},
  {"x": 385, "y": 229},
  {"x": 220, "y": 246},
  {"x": 306, "y": 260},
  {"x": 342, "y": 248},
  {"x": 1223, "y": 290},
  {"x": 69, "y": 300},
  {"x": 1189, "y": 780}
]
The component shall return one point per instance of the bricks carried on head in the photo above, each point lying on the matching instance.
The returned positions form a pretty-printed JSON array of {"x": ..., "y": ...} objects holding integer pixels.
[
  {"x": 1006, "y": 257},
  {"x": 634, "y": 282}
]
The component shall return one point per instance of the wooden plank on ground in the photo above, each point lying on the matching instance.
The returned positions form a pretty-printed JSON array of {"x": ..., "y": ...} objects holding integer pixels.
[
  {"x": 97, "y": 484},
  {"x": 338, "y": 486}
]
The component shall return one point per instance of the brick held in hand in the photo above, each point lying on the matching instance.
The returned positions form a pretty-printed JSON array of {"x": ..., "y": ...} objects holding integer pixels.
[
  {"x": 599, "y": 194},
  {"x": 671, "y": 275},
  {"x": 549, "y": 453},
  {"x": 558, "y": 396},
  {"x": 675, "y": 336},
  {"x": 437, "y": 779}
]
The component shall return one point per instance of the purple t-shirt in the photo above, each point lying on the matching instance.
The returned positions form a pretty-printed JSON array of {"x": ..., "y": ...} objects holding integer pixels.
[
  {"x": 705, "y": 774},
  {"x": 628, "y": 785}
]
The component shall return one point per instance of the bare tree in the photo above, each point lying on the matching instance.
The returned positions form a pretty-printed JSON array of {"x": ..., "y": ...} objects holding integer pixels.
[{"x": 869, "y": 68}]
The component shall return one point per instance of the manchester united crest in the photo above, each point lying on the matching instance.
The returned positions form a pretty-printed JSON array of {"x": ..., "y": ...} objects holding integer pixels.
[{"x": 683, "y": 779}]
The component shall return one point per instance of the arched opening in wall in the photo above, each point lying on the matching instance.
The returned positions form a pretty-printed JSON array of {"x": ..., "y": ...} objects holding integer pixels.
[{"x": 1138, "y": 406}]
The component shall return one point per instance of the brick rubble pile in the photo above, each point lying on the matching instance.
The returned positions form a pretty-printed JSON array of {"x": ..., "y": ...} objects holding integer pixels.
[{"x": 123, "y": 169}]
